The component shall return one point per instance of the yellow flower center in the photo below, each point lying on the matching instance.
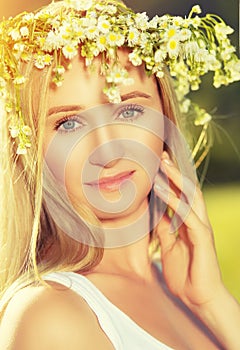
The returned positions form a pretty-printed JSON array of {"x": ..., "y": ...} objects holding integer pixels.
[
  {"x": 47, "y": 59},
  {"x": 102, "y": 40},
  {"x": 171, "y": 32},
  {"x": 92, "y": 30},
  {"x": 172, "y": 44},
  {"x": 105, "y": 25},
  {"x": 112, "y": 37},
  {"x": 69, "y": 49},
  {"x": 131, "y": 35}
]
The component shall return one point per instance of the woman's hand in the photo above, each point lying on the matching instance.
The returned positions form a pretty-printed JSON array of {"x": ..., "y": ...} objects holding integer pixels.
[{"x": 189, "y": 260}]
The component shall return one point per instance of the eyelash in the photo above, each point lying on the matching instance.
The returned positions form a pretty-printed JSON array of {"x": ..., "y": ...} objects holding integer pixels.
[
  {"x": 128, "y": 107},
  {"x": 73, "y": 118},
  {"x": 137, "y": 108}
]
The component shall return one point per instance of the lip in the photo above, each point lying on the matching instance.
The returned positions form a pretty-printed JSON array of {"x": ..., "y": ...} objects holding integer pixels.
[{"x": 111, "y": 183}]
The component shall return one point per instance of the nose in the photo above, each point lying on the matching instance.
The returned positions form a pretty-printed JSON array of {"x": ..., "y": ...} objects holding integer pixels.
[{"x": 109, "y": 150}]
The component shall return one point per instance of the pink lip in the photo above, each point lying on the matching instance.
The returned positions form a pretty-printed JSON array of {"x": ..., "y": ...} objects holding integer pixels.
[{"x": 111, "y": 183}]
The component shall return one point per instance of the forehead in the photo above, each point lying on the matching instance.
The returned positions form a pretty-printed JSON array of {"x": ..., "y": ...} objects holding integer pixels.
[{"x": 84, "y": 85}]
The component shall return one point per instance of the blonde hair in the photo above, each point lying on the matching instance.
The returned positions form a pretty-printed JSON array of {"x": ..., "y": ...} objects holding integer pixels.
[{"x": 30, "y": 243}]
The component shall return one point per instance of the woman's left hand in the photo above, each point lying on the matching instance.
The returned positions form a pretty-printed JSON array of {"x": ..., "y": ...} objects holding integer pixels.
[{"x": 189, "y": 260}]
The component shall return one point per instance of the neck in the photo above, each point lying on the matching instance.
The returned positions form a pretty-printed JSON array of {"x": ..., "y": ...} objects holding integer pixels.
[
  {"x": 124, "y": 231},
  {"x": 131, "y": 261},
  {"x": 127, "y": 245}
]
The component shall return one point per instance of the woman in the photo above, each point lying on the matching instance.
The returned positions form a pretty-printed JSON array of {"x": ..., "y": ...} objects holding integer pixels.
[{"x": 97, "y": 175}]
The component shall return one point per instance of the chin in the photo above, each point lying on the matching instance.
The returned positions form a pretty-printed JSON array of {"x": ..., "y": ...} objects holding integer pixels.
[{"x": 136, "y": 209}]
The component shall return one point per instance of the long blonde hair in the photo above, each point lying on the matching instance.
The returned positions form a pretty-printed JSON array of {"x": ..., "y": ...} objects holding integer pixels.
[{"x": 30, "y": 242}]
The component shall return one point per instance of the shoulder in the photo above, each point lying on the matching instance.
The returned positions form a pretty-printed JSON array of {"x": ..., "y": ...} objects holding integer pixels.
[{"x": 54, "y": 317}]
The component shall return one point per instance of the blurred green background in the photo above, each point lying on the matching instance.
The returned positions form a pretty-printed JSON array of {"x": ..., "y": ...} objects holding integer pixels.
[{"x": 222, "y": 181}]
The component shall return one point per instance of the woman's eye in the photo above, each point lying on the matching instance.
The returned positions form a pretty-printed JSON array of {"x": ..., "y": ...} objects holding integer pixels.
[
  {"x": 68, "y": 124},
  {"x": 130, "y": 112}
]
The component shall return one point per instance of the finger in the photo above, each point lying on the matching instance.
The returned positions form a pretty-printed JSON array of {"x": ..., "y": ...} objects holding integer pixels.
[
  {"x": 163, "y": 186},
  {"x": 190, "y": 192},
  {"x": 180, "y": 207},
  {"x": 166, "y": 239},
  {"x": 161, "y": 180},
  {"x": 196, "y": 230},
  {"x": 186, "y": 187}
]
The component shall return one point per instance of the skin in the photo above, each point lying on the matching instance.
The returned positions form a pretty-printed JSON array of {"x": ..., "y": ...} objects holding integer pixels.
[{"x": 189, "y": 261}]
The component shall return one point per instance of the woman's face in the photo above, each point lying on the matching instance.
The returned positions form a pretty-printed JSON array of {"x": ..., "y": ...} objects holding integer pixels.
[{"x": 106, "y": 155}]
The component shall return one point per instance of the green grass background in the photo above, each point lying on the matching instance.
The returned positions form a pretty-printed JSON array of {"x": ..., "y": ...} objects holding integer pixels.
[{"x": 223, "y": 204}]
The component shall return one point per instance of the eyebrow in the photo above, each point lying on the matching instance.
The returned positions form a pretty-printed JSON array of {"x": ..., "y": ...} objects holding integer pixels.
[
  {"x": 134, "y": 94},
  {"x": 69, "y": 108}
]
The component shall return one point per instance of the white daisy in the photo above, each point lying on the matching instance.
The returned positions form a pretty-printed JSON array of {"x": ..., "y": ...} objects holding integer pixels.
[
  {"x": 101, "y": 42},
  {"x": 103, "y": 24},
  {"x": 14, "y": 132},
  {"x": 21, "y": 150},
  {"x": 70, "y": 51},
  {"x": 113, "y": 94},
  {"x": 82, "y": 5},
  {"x": 134, "y": 58},
  {"x": 115, "y": 39},
  {"x": 26, "y": 130},
  {"x": 117, "y": 75},
  {"x": 173, "y": 47},
  {"x": 24, "y": 31},
  {"x": 91, "y": 32},
  {"x": 222, "y": 30},
  {"x": 59, "y": 70},
  {"x": 54, "y": 40},
  {"x": 185, "y": 34},
  {"x": 20, "y": 79},
  {"x": 15, "y": 34},
  {"x": 160, "y": 55},
  {"x": 133, "y": 36},
  {"x": 141, "y": 21},
  {"x": 171, "y": 31}
]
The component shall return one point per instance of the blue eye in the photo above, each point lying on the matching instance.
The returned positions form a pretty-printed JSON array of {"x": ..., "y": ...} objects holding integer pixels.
[
  {"x": 69, "y": 124},
  {"x": 130, "y": 112}
]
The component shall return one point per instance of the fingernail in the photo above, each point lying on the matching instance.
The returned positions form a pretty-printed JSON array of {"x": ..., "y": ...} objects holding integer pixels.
[
  {"x": 162, "y": 191},
  {"x": 167, "y": 161}
]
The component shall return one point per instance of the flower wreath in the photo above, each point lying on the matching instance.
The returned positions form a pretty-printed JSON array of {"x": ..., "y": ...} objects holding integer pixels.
[{"x": 190, "y": 47}]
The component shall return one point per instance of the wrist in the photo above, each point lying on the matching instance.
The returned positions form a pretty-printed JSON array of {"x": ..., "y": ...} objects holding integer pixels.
[
  {"x": 211, "y": 307},
  {"x": 222, "y": 316}
]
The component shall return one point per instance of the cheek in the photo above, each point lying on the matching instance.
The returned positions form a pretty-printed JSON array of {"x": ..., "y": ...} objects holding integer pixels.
[
  {"x": 149, "y": 157},
  {"x": 154, "y": 143},
  {"x": 145, "y": 146},
  {"x": 74, "y": 166},
  {"x": 63, "y": 152}
]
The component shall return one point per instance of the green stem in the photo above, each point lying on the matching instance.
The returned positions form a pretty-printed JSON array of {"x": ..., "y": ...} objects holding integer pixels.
[{"x": 200, "y": 140}]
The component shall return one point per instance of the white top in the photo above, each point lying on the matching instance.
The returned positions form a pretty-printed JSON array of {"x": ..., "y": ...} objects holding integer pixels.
[{"x": 122, "y": 331}]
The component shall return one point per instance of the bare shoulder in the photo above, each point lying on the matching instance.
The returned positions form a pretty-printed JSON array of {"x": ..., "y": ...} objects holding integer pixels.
[{"x": 54, "y": 317}]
